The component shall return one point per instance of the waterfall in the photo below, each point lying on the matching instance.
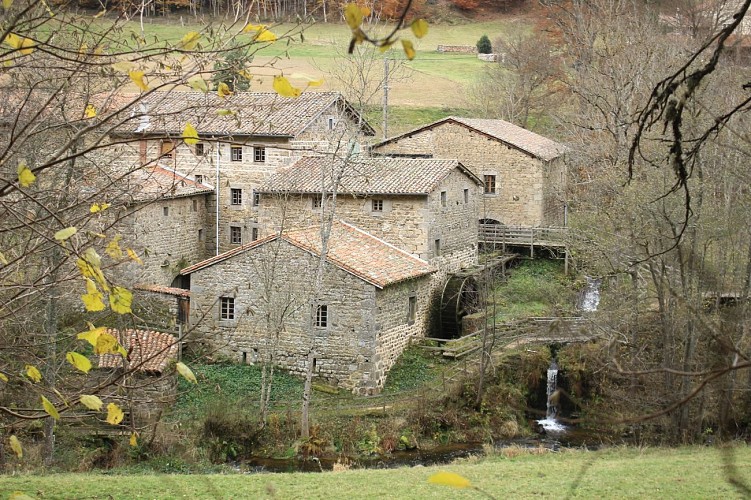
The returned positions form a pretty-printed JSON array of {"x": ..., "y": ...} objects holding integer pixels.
[
  {"x": 590, "y": 298},
  {"x": 549, "y": 424}
]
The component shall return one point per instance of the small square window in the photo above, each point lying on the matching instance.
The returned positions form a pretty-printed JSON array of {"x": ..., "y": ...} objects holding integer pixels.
[
  {"x": 437, "y": 247},
  {"x": 254, "y": 234},
  {"x": 236, "y": 153},
  {"x": 165, "y": 211},
  {"x": 256, "y": 199},
  {"x": 377, "y": 205},
  {"x": 200, "y": 149},
  {"x": 227, "y": 308},
  {"x": 412, "y": 310},
  {"x": 259, "y": 154},
  {"x": 235, "y": 235},
  {"x": 322, "y": 316},
  {"x": 444, "y": 198},
  {"x": 236, "y": 196},
  {"x": 199, "y": 179},
  {"x": 490, "y": 185},
  {"x": 466, "y": 196},
  {"x": 317, "y": 202},
  {"x": 168, "y": 149}
]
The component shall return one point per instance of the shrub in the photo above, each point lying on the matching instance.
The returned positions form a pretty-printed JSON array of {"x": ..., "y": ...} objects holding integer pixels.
[{"x": 484, "y": 46}]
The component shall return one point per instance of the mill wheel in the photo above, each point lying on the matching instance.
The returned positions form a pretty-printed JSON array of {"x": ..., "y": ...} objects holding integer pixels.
[{"x": 460, "y": 297}]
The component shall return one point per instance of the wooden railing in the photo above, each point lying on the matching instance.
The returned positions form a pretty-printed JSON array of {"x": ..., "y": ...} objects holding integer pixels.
[{"x": 523, "y": 235}]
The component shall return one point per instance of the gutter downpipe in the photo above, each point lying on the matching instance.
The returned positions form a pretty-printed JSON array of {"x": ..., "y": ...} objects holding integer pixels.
[{"x": 218, "y": 157}]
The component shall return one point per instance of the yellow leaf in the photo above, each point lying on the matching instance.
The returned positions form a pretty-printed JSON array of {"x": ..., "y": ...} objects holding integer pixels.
[
  {"x": 223, "y": 90},
  {"x": 315, "y": 83},
  {"x": 92, "y": 336},
  {"x": 79, "y": 361},
  {"x": 66, "y": 233},
  {"x": 7, "y": 4},
  {"x": 99, "y": 207},
  {"x": 190, "y": 40},
  {"x": 91, "y": 402},
  {"x": 90, "y": 111},
  {"x": 19, "y": 495},
  {"x": 106, "y": 344},
  {"x": 186, "y": 372},
  {"x": 120, "y": 300},
  {"x": 225, "y": 112},
  {"x": 137, "y": 77},
  {"x": 245, "y": 74},
  {"x": 353, "y": 15},
  {"x": 122, "y": 66},
  {"x": 3, "y": 377},
  {"x": 409, "y": 50},
  {"x": 100, "y": 14},
  {"x": 114, "y": 414},
  {"x": 25, "y": 176},
  {"x": 113, "y": 248},
  {"x": 265, "y": 35},
  {"x": 190, "y": 135},
  {"x": 3, "y": 260},
  {"x": 198, "y": 83},
  {"x": 419, "y": 27},
  {"x": 253, "y": 27},
  {"x": 15, "y": 445},
  {"x": 133, "y": 439},
  {"x": 284, "y": 88},
  {"x": 50, "y": 408},
  {"x": 92, "y": 299},
  {"x": 134, "y": 256},
  {"x": 33, "y": 373},
  {"x": 450, "y": 479},
  {"x": 24, "y": 45}
]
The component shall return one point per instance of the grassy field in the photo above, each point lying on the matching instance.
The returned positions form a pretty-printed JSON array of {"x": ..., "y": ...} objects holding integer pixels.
[{"x": 615, "y": 473}]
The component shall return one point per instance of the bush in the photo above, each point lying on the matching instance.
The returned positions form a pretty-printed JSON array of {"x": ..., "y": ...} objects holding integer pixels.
[{"x": 484, "y": 46}]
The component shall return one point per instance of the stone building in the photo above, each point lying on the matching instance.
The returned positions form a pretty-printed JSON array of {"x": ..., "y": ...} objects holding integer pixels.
[
  {"x": 244, "y": 138},
  {"x": 426, "y": 207},
  {"x": 258, "y": 302},
  {"x": 524, "y": 174}
]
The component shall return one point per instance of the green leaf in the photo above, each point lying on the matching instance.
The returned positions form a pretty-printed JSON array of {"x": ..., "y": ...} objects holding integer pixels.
[
  {"x": 50, "y": 408},
  {"x": 186, "y": 372},
  {"x": 79, "y": 361},
  {"x": 66, "y": 233},
  {"x": 190, "y": 135},
  {"x": 419, "y": 27},
  {"x": 91, "y": 402},
  {"x": 25, "y": 176},
  {"x": 114, "y": 414},
  {"x": 33, "y": 373},
  {"x": 15, "y": 445},
  {"x": 121, "y": 300}
]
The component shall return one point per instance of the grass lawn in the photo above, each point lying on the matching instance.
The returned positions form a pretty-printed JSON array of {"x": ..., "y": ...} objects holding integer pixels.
[{"x": 616, "y": 473}]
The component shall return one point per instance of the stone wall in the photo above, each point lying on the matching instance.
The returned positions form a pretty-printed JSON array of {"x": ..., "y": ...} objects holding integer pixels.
[
  {"x": 271, "y": 287},
  {"x": 520, "y": 197},
  {"x": 463, "y": 49}
]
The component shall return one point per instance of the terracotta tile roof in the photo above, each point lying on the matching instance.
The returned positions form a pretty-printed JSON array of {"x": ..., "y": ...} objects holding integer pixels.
[
  {"x": 351, "y": 249},
  {"x": 513, "y": 135},
  {"x": 168, "y": 290},
  {"x": 161, "y": 182},
  {"x": 254, "y": 113},
  {"x": 366, "y": 176},
  {"x": 148, "y": 351}
]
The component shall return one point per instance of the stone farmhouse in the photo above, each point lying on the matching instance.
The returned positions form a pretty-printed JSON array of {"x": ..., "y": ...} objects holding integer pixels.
[
  {"x": 244, "y": 138},
  {"x": 523, "y": 173},
  {"x": 427, "y": 207},
  {"x": 257, "y": 301}
]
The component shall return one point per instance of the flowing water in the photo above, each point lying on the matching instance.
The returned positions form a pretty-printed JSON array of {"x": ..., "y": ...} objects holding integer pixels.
[
  {"x": 549, "y": 424},
  {"x": 590, "y": 298}
]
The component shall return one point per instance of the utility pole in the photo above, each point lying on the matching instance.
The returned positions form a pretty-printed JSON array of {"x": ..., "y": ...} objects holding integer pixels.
[{"x": 385, "y": 97}]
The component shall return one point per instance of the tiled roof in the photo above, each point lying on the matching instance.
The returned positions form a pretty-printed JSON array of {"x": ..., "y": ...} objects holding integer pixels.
[
  {"x": 351, "y": 249},
  {"x": 160, "y": 182},
  {"x": 530, "y": 142},
  {"x": 148, "y": 351},
  {"x": 167, "y": 290},
  {"x": 252, "y": 113},
  {"x": 366, "y": 176}
]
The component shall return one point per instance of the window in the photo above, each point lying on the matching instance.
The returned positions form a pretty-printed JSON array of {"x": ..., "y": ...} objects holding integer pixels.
[
  {"x": 443, "y": 198},
  {"x": 254, "y": 234},
  {"x": 200, "y": 149},
  {"x": 168, "y": 148},
  {"x": 317, "y": 202},
  {"x": 466, "y": 196},
  {"x": 256, "y": 199},
  {"x": 200, "y": 235},
  {"x": 236, "y": 196},
  {"x": 332, "y": 123},
  {"x": 199, "y": 179},
  {"x": 235, "y": 235},
  {"x": 437, "y": 247},
  {"x": 490, "y": 184},
  {"x": 412, "y": 310},
  {"x": 165, "y": 211},
  {"x": 259, "y": 154},
  {"x": 377, "y": 205},
  {"x": 236, "y": 153},
  {"x": 194, "y": 207},
  {"x": 322, "y": 316},
  {"x": 227, "y": 309}
]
